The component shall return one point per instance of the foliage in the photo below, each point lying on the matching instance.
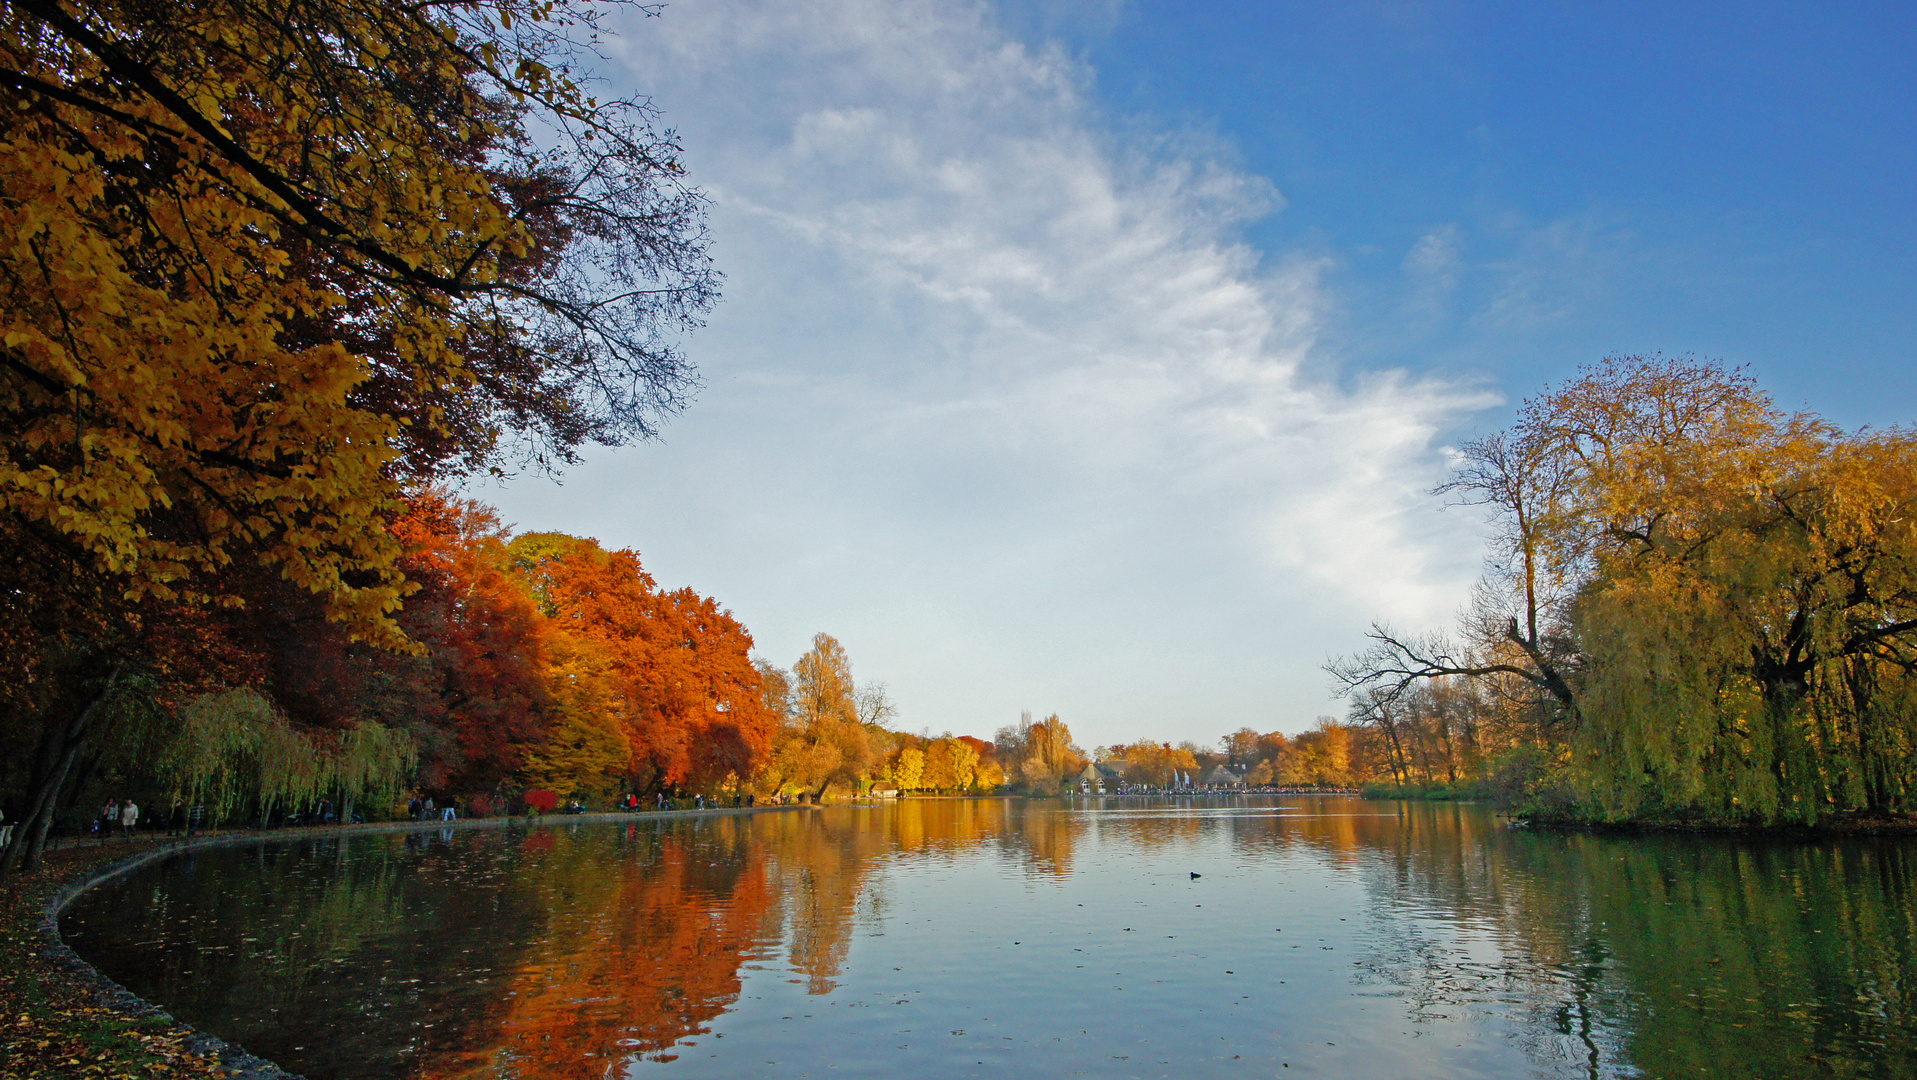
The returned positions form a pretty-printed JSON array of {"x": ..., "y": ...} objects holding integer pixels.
[
  {"x": 822, "y": 741},
  {"x": 490, "y": 689},
  {"x": 265, "y": 267},
  {"x": 234, "y": 746},
  {"x": 1038, "y": 756},
  {"x": 247, "y": 266},
  {"x": 1700, "y": 607},
  {"x": 908, "y": 772}
]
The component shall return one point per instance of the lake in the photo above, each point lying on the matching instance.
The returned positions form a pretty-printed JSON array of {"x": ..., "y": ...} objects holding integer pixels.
[{"x": 1322, "y": 936}]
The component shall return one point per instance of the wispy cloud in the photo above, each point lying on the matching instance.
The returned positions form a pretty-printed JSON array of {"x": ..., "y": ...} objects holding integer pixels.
[
  {"x": 1001, "y": 398},
  {"x": 1557, "y": 270},
  {"x": 1432, "y": 268}
]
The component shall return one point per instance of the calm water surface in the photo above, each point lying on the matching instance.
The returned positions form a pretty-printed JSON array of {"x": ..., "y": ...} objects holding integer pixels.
[{"x": 1324, "y": 937}]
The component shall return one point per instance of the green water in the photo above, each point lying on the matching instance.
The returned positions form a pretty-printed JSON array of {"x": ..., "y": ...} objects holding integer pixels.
[{"x": 1323, "y": 937}]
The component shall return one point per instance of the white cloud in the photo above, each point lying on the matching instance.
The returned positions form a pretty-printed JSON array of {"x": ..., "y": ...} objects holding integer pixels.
[{"x": 1001, "y": 399}]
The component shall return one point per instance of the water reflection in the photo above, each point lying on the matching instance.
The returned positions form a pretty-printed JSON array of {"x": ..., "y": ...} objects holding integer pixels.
[{"x": 957, "y": 936}]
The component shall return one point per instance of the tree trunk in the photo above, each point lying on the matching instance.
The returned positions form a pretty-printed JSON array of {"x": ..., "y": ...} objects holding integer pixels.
[
  {"x": 1399, "y": 766},
  {"x": 59, "y": 746}
]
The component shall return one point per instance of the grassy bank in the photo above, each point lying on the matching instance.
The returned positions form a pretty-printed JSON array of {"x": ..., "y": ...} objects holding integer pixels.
[{"x": 59, "y": 1019}]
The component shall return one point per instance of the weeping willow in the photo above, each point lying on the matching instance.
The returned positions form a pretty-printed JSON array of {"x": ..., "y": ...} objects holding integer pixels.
[
  {"x": 1747, "y": 655},
  {"x": 233, "y": 748},
  {"x": 1708, "y": 605},
  {"x": 1674, "y": 723}
]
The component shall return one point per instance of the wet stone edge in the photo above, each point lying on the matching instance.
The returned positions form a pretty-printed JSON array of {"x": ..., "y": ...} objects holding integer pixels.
[{"x": 237, "y": 1063}]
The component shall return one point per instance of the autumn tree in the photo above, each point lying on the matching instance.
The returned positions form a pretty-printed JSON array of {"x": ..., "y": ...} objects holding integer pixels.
[
  {"x": 874, "y": 705},
  {"x": 266, "y": 262},
  {"x": 685, "y": 693},
  {"x": 940, "y": 772},
  {"x": 190, "y": 187},
  {"x": 989, "y": 775},
  {"x": 1155, "y": 763},
  {"x": 824, "y": 743},
  {"x": 1038, "y": 755},
  {"x": 488, "y": 668},
  {"x": 587, "y": 746},
  {"x": 908, "y": 771},
  {"x": 1720, "y": 594},
  {"x": 950, "y": 765},
  {"x": 1320, "y": 757},
  {"x": 1241, "y": 748}
]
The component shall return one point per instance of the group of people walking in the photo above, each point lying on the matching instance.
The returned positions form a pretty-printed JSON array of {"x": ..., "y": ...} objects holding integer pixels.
[
  {"x": 425, "y": 810},
  {"x": 700, "y": 802},
  {"x": 124, "y": 815}
]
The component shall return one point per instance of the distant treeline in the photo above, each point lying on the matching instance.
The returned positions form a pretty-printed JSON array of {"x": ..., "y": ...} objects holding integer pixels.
[{"x": 1697, "y": 607}]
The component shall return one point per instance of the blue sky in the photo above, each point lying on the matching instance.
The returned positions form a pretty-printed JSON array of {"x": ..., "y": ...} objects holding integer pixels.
[
  {"x": 1735, "y": 180},
  {"x": 1097, "y": 357}
]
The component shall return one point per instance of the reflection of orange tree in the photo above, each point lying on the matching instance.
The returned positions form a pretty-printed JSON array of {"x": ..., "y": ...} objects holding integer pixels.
[
  {"x": 1156, "y": 831},
  {"x": 1046, "y": 838},
  {"x": 823, "y": 863},
  {"x": 640, "y": 953},
  {"x": 826, "y": 859},
  {"x": 947, "y": 826}
]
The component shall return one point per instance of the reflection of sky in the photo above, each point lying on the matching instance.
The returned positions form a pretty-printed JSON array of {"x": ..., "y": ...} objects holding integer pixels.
[
  {"x": 946, "y": 937},
  {"x": 1126, "y": 966}
]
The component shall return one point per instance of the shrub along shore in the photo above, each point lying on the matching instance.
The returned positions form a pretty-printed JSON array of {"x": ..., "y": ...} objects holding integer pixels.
[{"x": 59, "y": 1017}]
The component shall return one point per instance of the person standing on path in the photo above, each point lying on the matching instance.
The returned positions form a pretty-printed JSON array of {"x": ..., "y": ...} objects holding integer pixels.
[
  {"x": 129, "y": 817},
  {"x": 6, "y": 829}
]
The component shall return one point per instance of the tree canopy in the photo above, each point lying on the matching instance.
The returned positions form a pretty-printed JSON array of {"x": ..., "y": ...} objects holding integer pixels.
[
  {"x": 1703, "y": 605},
  {"x": 265, "y": 260}
]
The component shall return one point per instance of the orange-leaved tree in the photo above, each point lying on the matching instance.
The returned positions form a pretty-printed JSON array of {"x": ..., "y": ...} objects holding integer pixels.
[
  {"x": 687, "y": 698},
  {"x": 488, "y": 658}
]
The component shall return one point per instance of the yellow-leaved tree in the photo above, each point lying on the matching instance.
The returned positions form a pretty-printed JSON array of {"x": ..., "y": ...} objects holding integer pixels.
[
  {"x": 1701, "y": 606},
  {"x": 265, "y": 262}
]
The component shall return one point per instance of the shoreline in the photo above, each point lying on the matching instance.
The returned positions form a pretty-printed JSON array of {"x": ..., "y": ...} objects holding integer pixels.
[
  {"x": 63, "y": 1015},
  {"x": 1836, "y": 829}
]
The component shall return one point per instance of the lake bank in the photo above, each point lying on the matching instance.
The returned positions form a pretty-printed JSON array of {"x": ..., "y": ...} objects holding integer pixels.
[{"x": 62, "y": 1018}]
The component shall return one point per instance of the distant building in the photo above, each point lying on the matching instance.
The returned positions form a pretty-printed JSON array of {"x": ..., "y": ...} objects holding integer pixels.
[
  {"x": 1090, "y": 780},
  {"x": 1223, "y": 776}
]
